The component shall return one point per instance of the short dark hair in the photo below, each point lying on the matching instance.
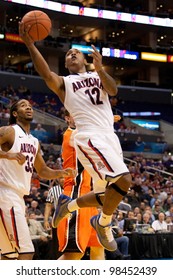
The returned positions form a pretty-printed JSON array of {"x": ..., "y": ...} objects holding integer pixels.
[{"x": 12, "y": 118}]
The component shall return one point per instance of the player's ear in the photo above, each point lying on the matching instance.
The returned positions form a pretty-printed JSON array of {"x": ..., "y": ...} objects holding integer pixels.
[{"x": 14, "y": 114}]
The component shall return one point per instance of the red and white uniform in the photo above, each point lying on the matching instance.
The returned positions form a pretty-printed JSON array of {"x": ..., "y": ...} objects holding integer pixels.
[
  {"x": 15, "y": 182},
  {"x": 98, "y": 147}
]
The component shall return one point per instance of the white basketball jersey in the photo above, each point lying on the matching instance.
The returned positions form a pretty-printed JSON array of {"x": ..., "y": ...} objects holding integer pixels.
[
  {"x": 87, "y": 102},
  {"x": 14, "y": 175}
]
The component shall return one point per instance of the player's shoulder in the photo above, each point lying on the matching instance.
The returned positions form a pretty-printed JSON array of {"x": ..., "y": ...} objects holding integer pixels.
[
  {"x": 7, "y": 134},
  {"x": 6, "y": 129}
]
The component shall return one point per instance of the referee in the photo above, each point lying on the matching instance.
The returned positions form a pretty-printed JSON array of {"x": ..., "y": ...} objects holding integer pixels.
[{"x": 55, "y": 190}]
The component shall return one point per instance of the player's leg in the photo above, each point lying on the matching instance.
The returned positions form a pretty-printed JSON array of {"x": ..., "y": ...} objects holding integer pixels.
[
  {"x": 28, "y": 256},
  {"x": 71, "y": 256},
  {"x": 97, "y": 253},
  {"x": 115, "y": 192},
  {"x": 71, "y": 235},
  {"x": 66, "y": 205}
]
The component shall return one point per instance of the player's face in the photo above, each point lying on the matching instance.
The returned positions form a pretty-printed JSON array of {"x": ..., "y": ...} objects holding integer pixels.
[
  {"x": 69, "y": 119},
  {"x": 24, "y": 111},
  {"x": 74, "y": 61}
]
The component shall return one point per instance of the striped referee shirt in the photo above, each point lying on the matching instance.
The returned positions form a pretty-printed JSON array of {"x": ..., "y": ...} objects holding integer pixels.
[{"x": 54, "y": 194}]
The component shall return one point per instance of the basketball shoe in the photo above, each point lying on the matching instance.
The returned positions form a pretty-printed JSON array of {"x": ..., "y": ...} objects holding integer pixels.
[
  {"x": 61, "y": 210},
  {"x": 104, "y": 234}
]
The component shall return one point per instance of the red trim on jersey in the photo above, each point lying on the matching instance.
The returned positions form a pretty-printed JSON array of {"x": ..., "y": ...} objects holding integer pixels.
[
  {"x": 91, "y": 161},
  {"x": 101, "y": 156},
  {"x": 14, "y": 226},
  {"x": 3, "y": 221}
]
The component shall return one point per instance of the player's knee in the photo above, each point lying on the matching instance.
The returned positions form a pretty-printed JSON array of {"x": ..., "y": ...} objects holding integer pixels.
[
  {"x": 125, "y": 182},
  {"x": 99, "y": 198}
]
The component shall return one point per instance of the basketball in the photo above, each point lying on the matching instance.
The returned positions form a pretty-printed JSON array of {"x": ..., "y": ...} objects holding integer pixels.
[{"x": 40, "y": 24}]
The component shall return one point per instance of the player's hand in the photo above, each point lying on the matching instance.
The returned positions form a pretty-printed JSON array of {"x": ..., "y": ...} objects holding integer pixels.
[
  {"x": 68, "y": 172},
  {"x": 17, "y": 156},
  {"x": 47, "y": 225},
  {"x": 117, "y": 118},
  {"x": 97, "y": 58},
  {"x": 23, "y": 32}
]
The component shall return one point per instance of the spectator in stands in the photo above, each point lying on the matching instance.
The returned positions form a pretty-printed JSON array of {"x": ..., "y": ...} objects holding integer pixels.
[
  {"x": 58, "y": 163},
  {"x": 140, "y": 144},
  {"x": 129, "y": 215},
  {"x": 134, "y": 130},
  {"x": 124, "y": 205},
  {"x": 10, "y": 90},
  {"x": 160, "y": 224},
  {"x": 53, "y": 101},
  {"x": 6, "y": 113},
  {"x": 35, "y": 208},
  {"x": 121, "y": 130},
  {"x": 40, "y": 238},
  {"x": 157, "y": 208},
  {"x": 136, "y": 210},
  {"x": 120, "y": 217},
  {"x": 146, "y": 218},
  {"x": 39, "y": 128},
  {"x": 40, "y": 133},
  {"x": 148, "y": 209},
  {"x": 168, "y": 220},
  {"x": 133, "y": 198},
  {"x": 31, "y": 101},
  {"x": 46, "y": 100},
  {"x": 142, "y": 206},
  {"x": 165, "y": 157},
  {"x": 43, "y": 150},
  {"x": 148, "y": 197},
  {"x": 162, "y": 196},
  {"x": 51, "y": 149},
  {"x": 2, "y": 113},
  {"x": 61, "y": 113},
  {"x": 168, "y": 202},
  {"x": 169, "y": 213},
  {"x": 50, "y": 162},
  {"x": 35, "y": 193},
  {"x": 138, "y": 218},
  {"x": 35, "y": 182},
  {"x": 22, "y": 90},
  {"x": 114, "y": 103},
  {"x": 122, "y": 241}
]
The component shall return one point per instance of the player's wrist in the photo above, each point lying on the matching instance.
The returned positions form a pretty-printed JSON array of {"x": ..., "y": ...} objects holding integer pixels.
[{"x": 99, "y": 70}]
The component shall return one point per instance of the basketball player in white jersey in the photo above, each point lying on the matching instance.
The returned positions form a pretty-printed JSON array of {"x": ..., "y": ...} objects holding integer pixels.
[
  {"x": 19, "y": 155},
  {"x": 86, "y": 96}
]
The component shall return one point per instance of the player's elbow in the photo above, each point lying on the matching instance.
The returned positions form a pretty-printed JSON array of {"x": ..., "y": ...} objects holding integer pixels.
[{"x": 113, "y": 91}]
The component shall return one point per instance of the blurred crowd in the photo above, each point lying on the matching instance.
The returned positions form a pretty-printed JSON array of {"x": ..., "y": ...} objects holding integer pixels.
[{"x": 148, "y": 202}]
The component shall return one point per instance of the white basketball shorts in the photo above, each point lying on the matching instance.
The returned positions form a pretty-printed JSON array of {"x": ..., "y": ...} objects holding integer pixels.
[
  {"x": 14, "y": 232},
  {"x": 101, "y": 155}
]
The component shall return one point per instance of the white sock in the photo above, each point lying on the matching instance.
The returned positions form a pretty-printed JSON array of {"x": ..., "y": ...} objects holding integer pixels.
[
  {"x": 105, "y": 220},
  {"x": 72, "y": 206}
]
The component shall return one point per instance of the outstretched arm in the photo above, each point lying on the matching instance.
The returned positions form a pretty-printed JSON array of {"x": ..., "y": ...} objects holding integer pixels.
[
  {"x": 53, "y": 81},
  {"x": 48, "y": 173},
  {"x": 108, "y": 82}
]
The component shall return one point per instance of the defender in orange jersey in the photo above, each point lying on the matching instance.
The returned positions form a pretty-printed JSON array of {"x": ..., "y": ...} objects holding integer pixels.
[{"x": 75, "y": 233}]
